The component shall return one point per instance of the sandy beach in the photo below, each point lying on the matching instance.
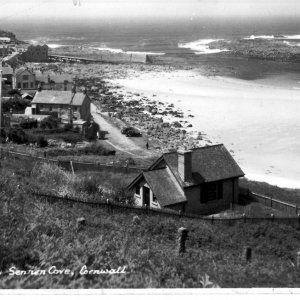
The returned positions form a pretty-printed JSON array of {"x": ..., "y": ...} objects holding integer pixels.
[{"x": 258, "y": 123}]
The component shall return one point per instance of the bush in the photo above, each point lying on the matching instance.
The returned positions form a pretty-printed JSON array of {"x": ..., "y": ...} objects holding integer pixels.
[
  {"x": 68, "y": 127},
  {"x": 49, "y": 123},
  {"x": 17, "y": 104},
  {"x": 42, "y": 142},
  {"x": 29, "y": 124},
  {"x": 17, "y": 135}
]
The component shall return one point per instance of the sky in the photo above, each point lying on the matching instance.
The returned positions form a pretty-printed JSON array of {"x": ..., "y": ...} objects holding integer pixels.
[{"x": 126, "y": 9}]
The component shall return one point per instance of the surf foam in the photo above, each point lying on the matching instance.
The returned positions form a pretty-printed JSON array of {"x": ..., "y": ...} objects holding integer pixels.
[{"x": 202, "y": 46}]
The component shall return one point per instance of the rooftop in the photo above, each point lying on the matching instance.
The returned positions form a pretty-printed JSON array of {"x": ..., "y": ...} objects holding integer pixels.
[
  {"x": 169, "y": 192},
  {"x": 54, "y": 77},
  {"x": 58, "y": 97},
  {"x": 210, "y": 163}
]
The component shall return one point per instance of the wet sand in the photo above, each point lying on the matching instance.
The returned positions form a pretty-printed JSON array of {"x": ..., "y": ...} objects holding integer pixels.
[{"x": 258, "y": 123}]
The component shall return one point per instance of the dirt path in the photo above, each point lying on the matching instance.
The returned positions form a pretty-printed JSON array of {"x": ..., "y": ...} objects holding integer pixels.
[{"x": 116, "y": 139}]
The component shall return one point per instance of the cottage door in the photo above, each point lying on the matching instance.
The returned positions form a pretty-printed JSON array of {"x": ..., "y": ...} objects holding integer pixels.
[{"x": 146, "y": 196}]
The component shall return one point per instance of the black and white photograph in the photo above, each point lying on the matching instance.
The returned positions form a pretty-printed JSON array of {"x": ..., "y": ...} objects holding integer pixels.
[{"x": 150, "y": 146}]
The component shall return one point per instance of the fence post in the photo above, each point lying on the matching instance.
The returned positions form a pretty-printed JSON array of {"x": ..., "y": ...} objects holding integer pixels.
[
  {"x": 272, "y": 217},
  {"x": 298, "y": 260},
  {"x": 80, "y": 223},
  {"x": 271, "y": 201},
  {"x": 72, "y": 169},
  {"x": 247, "y": 254},
  {"x": 182, "y": 237}
]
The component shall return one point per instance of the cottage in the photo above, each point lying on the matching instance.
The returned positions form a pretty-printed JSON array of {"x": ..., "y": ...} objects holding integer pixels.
[
  {"x": 25, "y": 79},
  {"x": 199, "y": 181},
  {"x": 54, "y": 81},
  {"x": 67, "y": 105}
]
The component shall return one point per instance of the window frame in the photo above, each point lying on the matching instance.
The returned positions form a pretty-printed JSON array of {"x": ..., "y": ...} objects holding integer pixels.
[{"x": 212, "y": 191}]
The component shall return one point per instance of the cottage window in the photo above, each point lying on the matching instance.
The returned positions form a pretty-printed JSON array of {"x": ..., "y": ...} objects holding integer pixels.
[
  {"x": 25, "y": 77},
  {"x": 25, "y": 85},
  {"x": 31, "y": 84},
  {"x": 154, "y": 198},
  {"x": 19, "y": 85},
  {"x": 137, "y": 189},
  {"x": 212, "y": 191}
]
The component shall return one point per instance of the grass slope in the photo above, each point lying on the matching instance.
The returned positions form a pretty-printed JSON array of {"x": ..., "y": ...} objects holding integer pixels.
[{"x": 36, "y": 235}]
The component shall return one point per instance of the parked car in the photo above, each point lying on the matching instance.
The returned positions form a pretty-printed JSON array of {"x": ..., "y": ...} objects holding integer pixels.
[{"x": 130, "y": 131}]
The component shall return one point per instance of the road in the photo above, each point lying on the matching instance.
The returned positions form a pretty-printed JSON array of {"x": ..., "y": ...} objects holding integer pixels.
[{"x": 116, "y": 139}]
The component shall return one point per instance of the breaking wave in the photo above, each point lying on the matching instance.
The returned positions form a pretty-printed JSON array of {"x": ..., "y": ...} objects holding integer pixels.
[
  {"x": 114, "y": 50},
  {"x": 272, "y": 37},
  {"x": 254, "y": 37},
  {"x": 202, "y": 46}
]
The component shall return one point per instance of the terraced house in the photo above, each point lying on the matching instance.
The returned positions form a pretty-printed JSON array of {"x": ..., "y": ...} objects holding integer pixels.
[
  {"x": 69, "y": 106},
  {"x": 199, "y": 181},
  {"x": 25, "y": 79}
]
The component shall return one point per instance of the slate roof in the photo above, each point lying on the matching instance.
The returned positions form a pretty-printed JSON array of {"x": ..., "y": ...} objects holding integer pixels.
[
  {"x": 22, "y": 69},
  {"x": 211, "y": 163},
  {"x": 55, "y": 77},
  {"x": 6, "y": 70},
  {"x": 58, "y": 97}
]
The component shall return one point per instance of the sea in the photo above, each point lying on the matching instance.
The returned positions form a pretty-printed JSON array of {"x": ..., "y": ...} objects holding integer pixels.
[{"x": 186, "y": 42}]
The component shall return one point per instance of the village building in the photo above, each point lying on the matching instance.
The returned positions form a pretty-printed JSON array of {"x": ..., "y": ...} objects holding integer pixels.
[
  {"x": 54, "y": 81},
  {"x": 5, "y": 40},
  {"x": 35, "y": 54},
  {"x": 25, "y": 79},
  {"x": 69, "y": 106},
  {"x": 7, "y": 79},
  {"x": 4, "y": 50},
  {"x": 199, "y": 181}
]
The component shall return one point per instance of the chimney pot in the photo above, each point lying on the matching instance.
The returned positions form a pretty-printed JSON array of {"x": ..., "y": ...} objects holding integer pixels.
[
  {"x": 39, "y": 87},
  {"x": 185, "y": 165}
]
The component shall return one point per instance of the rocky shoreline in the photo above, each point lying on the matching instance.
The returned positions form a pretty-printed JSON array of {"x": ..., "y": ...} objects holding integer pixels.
[{"x": 158, "y": 121}]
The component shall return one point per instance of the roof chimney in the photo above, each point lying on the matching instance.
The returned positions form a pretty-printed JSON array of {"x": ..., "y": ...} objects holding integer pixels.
[
  {"x": 74, "y": 89},
  {"x": 185, "y": 165},
  {"x": 39, "y": 87},
  {"x": 84, "y": 90}
]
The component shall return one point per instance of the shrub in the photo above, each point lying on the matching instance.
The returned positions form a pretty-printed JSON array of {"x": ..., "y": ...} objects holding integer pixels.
[
  {"x": 31, "y": 139},
  {"x": 91, "y": 131},
  {"x": 49, "y": 123},
  {"x": 96, "y": 150},
  {"x": 17, "y": 104},
  {"x": 68, "y": 127},
  {"x": 29, "y": 124},
  {"x": 17, "y": 135},
  {"x": 42, "y": 142},
  {"x": 89, "y": 184}
]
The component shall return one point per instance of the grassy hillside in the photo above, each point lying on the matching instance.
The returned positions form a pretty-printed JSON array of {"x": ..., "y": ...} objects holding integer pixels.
[{"x": 36, "y": 235}]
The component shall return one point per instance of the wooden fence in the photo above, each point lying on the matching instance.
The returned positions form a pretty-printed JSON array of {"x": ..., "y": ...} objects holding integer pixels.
[
  {"x": 115, "y": 207},
  {"x": 74, "y": 166},
  {"x": 285, "y": 207}
]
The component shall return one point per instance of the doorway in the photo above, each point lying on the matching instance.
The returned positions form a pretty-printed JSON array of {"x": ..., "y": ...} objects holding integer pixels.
[{"x": 146, "y": 196}]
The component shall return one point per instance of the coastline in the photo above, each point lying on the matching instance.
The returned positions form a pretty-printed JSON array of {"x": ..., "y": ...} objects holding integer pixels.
[{"x": 243, "y": 115}]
